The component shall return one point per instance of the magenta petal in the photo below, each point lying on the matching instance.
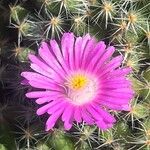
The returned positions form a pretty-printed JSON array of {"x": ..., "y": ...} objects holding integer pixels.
[
  {"x": 94, "y": 113},
  {"x": 98, "y": 51},
  {"x": 59, "y": 59},
  {"x": 52, "y": 75},
  {"x": 67, "y": 125},
  {"x": 56, "y": 107},
  {"x": 38, "y": 62},
  {"x": 48, "y": 72},
  {"x": 101, "y": 124},
  {"x": 107, "y": 55},
  {"x": 126, "y": 107},
  {"x": 43, "y": 100},
  {"x": 40, "y": 70},
  {"x": 52, "y": 119},
  {"x": 120, "y": 72},
  {"x": 67, "y": 44},
  {"x": 77, "y": 55},
  {"x": 43, "y": 85},
  {"x": 48, "y": 56},
  {"x": 117, "y": 95},
  {"x": 110, "y": 105},
  {"x": 114, "y": 63},
  {"x": 35, "y": 76},
  {"x": 41, "y": 67},
  {"x": 45, "y": 108},
  {"x": 38, "y": 94},
  {"x": 66, "y": 116},
  {"x": 120, "y": 80},
  {"x": 45, "y": 53},
  {"x": 124, "y": 90},
  {"x": 115, "y": 101},
  {"x": 112, "y": 85},
  {"x": 86, "y": 116},
  {"x": 80, "y": 45},
  {"x": 85, "y": 55},
  {"x": 105, "y": 115},
  {"x": 77, "y": 114},
  {"x": 71, "y": 51},
  {"x": 40, "y": 80},
  {"x": 109, "y": 125}
]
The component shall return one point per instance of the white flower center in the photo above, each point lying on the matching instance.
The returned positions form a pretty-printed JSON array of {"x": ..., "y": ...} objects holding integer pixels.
[{"x": 82, "y": 88}]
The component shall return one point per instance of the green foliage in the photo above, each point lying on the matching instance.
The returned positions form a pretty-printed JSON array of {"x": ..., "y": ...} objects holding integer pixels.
[
  {"x": 7, "y": 140},
  {"x": 18, "y": 13},
  {"x": 60, "y": 141},
  {"x": 2, "y": 147}
]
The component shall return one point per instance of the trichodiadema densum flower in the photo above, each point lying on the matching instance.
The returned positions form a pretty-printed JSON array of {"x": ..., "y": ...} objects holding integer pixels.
[{"x": 78, "y": 80}]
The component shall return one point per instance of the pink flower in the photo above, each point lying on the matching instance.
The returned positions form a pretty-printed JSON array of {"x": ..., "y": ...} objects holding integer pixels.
[{"x": 77, "y": 80}]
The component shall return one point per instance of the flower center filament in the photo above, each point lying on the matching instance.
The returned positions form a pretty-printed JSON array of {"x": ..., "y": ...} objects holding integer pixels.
[
  {"x": 77, "y": 82},
  {"x": 82, "y": 88}
]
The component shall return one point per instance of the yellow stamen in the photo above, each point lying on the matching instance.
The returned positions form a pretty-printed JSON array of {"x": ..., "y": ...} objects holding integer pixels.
[{"x": 77, "y": 82}]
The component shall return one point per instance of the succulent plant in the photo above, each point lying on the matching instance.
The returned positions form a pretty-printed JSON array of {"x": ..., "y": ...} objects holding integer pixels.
[{"x": 24, "y": 24}]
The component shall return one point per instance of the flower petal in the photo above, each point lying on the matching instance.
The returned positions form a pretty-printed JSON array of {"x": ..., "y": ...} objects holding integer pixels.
[
  {"x": 86, "y": 116},
  {"x": 106, "y": 56},
  {"x": 106, "y": 69},
  {"x": 52, "y": 119},
  {"x": 39, "y": 94},
  {"x": 45, "y": 108},
  {"x": 53, "y": 109},
  {"x": 77, "y": 114},
  {"x": 105, "y": 115},
  {"x": 80, "y": 45},
  {"x": 96, "y": 55},
  {"x": 67, "y": 46},
  {"x": 43, "y": 100}
]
